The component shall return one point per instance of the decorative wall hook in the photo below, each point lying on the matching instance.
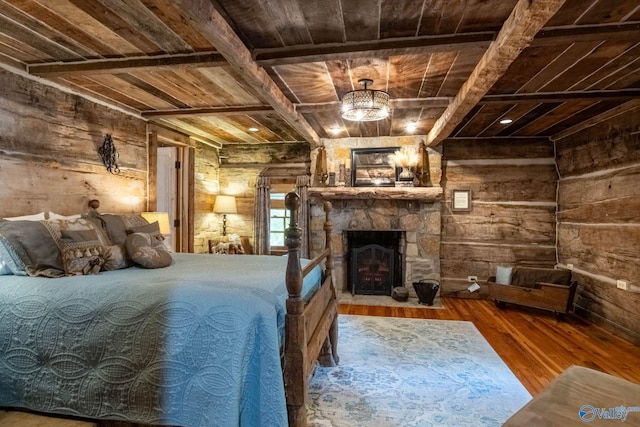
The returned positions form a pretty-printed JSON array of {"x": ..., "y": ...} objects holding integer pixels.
[{"x": 109, "y": 155}]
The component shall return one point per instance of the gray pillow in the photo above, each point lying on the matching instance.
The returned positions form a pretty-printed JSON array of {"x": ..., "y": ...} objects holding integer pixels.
[
  {"x": 147, "y": 251},
  {"x": 32, "y": 248},
  {"x": 503, "y": 275}
]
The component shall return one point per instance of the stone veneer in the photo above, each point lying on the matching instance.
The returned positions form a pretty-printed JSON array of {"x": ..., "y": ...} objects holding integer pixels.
[{"x": 419, "y": 219}]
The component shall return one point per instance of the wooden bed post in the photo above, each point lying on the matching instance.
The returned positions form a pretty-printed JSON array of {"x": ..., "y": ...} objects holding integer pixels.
[
  {"x": 295, "y": 379},
  {"x": 311, "y": 327},
  {"x": 329, "y": 355}
]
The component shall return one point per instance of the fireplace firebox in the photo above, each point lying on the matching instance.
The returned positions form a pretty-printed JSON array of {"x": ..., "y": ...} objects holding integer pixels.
[{"x": 374, "y": 261}]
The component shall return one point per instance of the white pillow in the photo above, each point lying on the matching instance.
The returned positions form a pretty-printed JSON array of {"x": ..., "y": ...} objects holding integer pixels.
[
  {"x": 53, "y": 215},
  {"x": 34, "y": 217},
  {"x": 503, "y": 275}
]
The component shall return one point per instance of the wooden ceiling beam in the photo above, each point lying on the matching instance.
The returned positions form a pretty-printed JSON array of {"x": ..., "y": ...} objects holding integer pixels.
[
  {"x": 587, "y": 33},
  {"x": 376, "y": 49},
  {"x": 120, "y": 65},
  {"x": 404, "y": 103},
  {"x": 269, "y": 57},
  {"x": 248, "y": 109},
  {"x": 336, "y": 51},
  {"x": 213, "y": 26},
  {"x": 518, "y": 31},
  {"x": 599, "y": 95}
]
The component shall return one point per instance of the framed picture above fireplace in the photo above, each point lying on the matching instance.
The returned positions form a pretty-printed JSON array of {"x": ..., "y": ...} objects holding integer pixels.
[{"x": 370, "y": 167}]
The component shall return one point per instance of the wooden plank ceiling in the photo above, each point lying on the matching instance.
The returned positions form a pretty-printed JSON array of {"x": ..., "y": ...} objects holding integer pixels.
[{"x": 251, "y": 71}]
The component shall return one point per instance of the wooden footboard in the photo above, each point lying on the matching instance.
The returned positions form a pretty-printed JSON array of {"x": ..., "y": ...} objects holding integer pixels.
[{"x": 311, "y": 328}]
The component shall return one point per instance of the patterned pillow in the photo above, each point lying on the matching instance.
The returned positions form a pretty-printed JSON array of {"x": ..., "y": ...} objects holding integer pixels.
[
  {"x": 57, "y": 226},
  {"x": 146, "y": 251},
  {"x": 82, "y": 252}
]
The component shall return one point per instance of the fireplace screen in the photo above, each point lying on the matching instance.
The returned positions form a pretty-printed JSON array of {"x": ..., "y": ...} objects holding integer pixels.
[{"x": 372, "y": 270}]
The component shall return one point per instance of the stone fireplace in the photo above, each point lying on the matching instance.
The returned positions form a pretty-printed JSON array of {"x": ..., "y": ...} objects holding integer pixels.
[{"x": 414, "y": 213}]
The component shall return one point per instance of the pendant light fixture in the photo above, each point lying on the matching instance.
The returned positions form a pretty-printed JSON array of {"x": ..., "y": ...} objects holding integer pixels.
[{"x": 365, "y": 105}]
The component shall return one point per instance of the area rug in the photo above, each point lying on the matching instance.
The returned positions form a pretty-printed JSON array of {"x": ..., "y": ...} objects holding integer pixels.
[
  {"x": 384, "y": 300},
  {"x": 412, "y": 372}
]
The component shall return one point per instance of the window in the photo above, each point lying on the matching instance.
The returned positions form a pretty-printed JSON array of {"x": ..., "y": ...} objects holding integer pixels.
[{"x": 279, "y": 218}]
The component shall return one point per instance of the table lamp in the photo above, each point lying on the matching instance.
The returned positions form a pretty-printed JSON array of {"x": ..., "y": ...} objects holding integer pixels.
[{"x": 225, "y": 205}]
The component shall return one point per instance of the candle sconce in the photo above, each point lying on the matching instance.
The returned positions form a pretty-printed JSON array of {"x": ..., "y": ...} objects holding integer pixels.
[{"x": 109, "y": 155}]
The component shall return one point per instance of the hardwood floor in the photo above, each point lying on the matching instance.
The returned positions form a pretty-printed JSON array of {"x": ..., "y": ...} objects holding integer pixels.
[{"x": 534, "y": 344}]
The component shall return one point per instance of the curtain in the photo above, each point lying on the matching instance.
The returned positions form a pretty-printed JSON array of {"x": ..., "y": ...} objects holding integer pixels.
[
  {"x": 261, "y": 216},
  {"x": 302, "y": 187}
]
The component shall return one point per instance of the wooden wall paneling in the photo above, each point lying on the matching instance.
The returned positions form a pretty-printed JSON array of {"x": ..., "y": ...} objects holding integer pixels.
[
  {"x": 612, "y": 144},
  {"x": 608, "y": 250},
  {"x": 49, "y": 145},
  {"x": 152, "y": 176},
  {"x": 606, "y": 305},
  {"x": 598, "y": 228},
  {"x": 509, "y": 181},
  {"x": 512, "y": 217},
  {"x": 498, "y": 148},
  {"x": 606, "y": 198},
  {"x": 481, "y": 258},
  {"x": 507, "y": 223},
  {"x": 206, "y": 186}
]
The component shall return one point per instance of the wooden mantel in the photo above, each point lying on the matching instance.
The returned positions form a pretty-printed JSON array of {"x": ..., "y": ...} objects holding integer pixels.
[{"x": 426, "y": 194}]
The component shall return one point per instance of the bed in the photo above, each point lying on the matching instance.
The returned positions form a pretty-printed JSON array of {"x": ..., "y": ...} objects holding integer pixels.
[{"x": 209, "y": 340}]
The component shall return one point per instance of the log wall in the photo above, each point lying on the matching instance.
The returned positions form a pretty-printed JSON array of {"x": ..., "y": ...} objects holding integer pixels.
[
  {"x": 512, "y": 218},
  {"x": 207, "y": 225},
  {"x": 599, "y": 219},
  {"x": 49, "y": 159}
]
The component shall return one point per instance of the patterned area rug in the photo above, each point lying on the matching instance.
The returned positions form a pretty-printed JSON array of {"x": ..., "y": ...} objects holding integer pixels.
[{"x": 413, "y": 372}]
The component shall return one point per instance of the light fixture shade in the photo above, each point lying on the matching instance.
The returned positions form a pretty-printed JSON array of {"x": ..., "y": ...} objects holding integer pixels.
[
  {"x": 365, "y": 105},
  {"x": 225, "y": 205},
  {"x": 161, "y": 217}
]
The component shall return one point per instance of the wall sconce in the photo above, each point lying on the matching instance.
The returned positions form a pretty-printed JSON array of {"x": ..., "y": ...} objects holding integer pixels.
[
  {"x": 161, "y": 217},
  {"x": 109, "y": 155},
  {"x": 225, "y": 205}
]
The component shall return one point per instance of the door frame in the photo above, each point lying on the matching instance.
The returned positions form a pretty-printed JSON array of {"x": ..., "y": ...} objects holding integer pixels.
[{"x": 184, "y": 238}]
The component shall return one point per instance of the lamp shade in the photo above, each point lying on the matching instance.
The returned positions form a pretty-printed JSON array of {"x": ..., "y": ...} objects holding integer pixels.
[
  {"x": 225, "y": 205},
  {"x": 161, "y": 217},
  {"x": 365, "y": 105}
]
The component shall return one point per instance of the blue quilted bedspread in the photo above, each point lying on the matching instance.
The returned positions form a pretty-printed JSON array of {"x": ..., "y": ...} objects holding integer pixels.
[{"x": 194, "y": 344}]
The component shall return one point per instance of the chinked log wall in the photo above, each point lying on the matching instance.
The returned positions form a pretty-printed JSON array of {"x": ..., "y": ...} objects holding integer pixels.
[
  {"x": 49, "y": 152},
  {"x": 599, "y": 221},
  {"x": 512, "y": 218}
]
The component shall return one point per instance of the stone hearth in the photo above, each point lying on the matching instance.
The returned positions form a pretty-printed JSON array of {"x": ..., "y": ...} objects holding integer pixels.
[{"x": 415, "y": 211}]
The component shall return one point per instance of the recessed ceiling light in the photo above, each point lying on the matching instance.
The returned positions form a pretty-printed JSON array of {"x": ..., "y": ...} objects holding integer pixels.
[
  {"x": 506, "y": 121},
  {"x": 254, "y": 129},
  {"x": 336, "y": 130},
  {"x": 411, "y": 127}
]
